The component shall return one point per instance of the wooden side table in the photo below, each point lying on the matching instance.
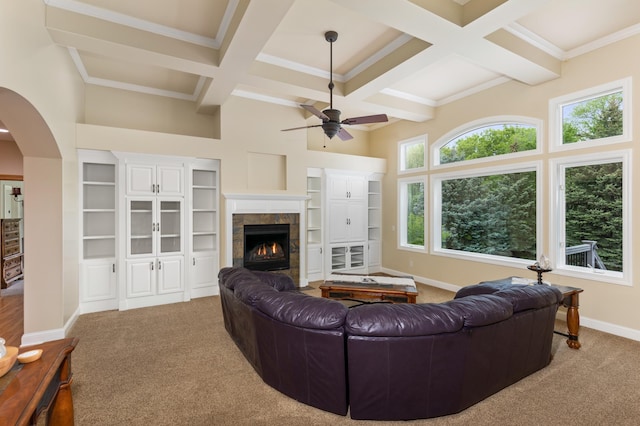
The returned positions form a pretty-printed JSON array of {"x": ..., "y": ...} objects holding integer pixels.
[
  {"x": 571, "y": 301},
  {"x": 42, "y": 385}
]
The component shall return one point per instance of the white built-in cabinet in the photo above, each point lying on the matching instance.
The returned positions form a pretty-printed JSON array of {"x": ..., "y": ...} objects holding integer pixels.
[
  {"x": 151, "y": 179},
  {"x": 99, "y": 230},
  {"x": 346, "y": 222},
  {"x": 347, "y": 208},
  {"x": 203, "y": 228},
  {"x": 374, "y": 223},
  {"x": 149, "y": 229},
  {"x": 314, "y": 225}
]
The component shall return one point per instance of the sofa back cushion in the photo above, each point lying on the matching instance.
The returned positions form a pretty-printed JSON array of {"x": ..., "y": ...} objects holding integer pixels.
[
  {"x": 402, "y": 319},
  {"x": 280, "y": 282},
  {"x": 521, "y": 296},
  {"x": 524, "y": 297},
  {"x": 301, "y": 310},
  {"x": 480, "y": 310}
]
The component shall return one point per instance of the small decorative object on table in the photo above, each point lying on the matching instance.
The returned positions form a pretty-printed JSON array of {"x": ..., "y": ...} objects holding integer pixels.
[{"x": 541, "y": 267}]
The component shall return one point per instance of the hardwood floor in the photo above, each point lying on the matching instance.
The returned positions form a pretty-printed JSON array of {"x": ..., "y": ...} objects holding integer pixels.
[{"x": 12, "y": 319}]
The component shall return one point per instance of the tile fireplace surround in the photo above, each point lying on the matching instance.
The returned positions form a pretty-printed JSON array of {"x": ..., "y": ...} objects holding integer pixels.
[{"x": 250, "y": 209}]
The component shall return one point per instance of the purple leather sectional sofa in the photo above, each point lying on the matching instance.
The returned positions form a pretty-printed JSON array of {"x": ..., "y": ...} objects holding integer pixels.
[{"x": 388, "y": 361}]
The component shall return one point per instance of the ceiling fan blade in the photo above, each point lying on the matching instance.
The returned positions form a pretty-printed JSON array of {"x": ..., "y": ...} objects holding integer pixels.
[
  {"x": 367, "y": 119},
  {"x": 303, "y": 127},
  {"x": 315, "y": 111},
  {"x": 344, "y": 135}
]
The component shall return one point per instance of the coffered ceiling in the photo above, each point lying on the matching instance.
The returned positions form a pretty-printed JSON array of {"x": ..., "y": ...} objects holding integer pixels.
[{"x": 399, "y": 57}]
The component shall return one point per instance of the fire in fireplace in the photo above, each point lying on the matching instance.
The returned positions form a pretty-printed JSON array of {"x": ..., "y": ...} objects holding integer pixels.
[{"x": 266, "y": 247}]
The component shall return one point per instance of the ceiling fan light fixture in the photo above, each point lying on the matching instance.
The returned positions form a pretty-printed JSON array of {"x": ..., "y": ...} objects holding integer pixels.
[
  {"x": 331, "y": 124},
  {"x": 330, "y": 128}
]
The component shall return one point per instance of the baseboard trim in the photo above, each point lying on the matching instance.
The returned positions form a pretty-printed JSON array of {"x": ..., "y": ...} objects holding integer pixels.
[{"x": 29, "y": 339}]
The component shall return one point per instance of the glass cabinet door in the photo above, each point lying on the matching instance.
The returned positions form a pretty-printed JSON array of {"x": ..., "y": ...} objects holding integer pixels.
[
  {"x": 141, "y": 227},
  {"x": 170, "y": 226}
]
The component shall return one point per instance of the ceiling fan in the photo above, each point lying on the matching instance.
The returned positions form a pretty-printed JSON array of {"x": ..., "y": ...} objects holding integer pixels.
[{"x": 330, "y": 117}]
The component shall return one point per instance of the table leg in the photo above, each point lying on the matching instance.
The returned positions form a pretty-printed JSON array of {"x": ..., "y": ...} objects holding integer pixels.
[
  {"x": 61, "y": 411},
  {"x": 573, "y": 321}
]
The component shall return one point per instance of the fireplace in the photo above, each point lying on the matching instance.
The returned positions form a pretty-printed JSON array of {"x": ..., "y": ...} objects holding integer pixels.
[
  {"x": 267, "y": 209},
  {"x": 266, "y": 247}
]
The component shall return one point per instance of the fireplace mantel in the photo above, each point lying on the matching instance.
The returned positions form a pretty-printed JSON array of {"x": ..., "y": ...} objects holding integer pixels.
[{"x": 266, "y": 204}]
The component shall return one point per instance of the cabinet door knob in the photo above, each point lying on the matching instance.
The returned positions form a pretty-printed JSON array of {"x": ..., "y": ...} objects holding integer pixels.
[
  {"x": 159, "y": 265},
  {"x": 152, "y": 266}
]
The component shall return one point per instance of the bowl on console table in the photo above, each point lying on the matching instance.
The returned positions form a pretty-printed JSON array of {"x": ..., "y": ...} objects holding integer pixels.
[{"x": 7, "y": 361}]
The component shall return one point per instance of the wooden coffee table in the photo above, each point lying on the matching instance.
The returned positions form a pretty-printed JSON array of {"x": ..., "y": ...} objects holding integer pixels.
[{"x": 368, "y": 288}]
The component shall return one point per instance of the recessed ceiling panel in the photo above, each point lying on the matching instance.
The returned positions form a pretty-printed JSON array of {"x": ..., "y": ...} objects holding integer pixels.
[
  {"x": 569, "y": 24},
  {"x": 446, "y": 78},
  {"x": 201, "y": 17},
  {"x": 300, "y": 36},
  {"x": 137, "y": 74}
]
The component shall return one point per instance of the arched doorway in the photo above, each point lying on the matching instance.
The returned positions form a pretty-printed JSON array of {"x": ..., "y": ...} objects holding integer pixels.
[{"x": 43, "y": 241}]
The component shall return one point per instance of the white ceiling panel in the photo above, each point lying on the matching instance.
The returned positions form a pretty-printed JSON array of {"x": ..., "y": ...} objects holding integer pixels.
[{"x": 403, "y": 54}]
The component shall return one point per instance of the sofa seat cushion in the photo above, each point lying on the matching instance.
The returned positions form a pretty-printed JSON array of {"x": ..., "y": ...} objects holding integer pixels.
[
  {"x": 480, "y": 310},
  {"x": 302, "y": 310},
  {"x": 402, "y": 319}
]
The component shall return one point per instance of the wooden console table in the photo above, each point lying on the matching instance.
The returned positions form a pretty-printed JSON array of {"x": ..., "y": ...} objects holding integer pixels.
[{"x": 42, "y": 385}]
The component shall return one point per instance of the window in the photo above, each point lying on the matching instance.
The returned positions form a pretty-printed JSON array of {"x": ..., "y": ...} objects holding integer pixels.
[
  {"x": 411, "y": 213},
  {"x": 411, "y": 155},
  {"x": 488, "y": 138},
  {"x": 597, "y": 115},
  {"x": 592, "y": 214},
  {"x": 490, "y": 213}
]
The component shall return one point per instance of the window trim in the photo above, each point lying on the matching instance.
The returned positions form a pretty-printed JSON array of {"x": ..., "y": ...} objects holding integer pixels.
[
  {"x": 555, "y": 115},
  {"x": 484, "y": 122},
  {"x": 401, "y": 222},
  {"x": 436, "y": 223},
  {"x": 557, "y": 214},
  {"x": 422, "y": 139}
]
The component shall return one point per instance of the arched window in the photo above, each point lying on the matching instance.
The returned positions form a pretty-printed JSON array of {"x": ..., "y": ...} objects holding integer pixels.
[{"x": 488, "y": 138}]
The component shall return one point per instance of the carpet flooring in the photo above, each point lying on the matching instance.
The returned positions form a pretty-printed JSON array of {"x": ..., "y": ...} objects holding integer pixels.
[{"x": 176, "y": 365}]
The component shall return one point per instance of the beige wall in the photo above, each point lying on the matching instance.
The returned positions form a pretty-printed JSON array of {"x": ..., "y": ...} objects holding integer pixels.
[
  {"x": 10, "y": 159},
  {"x": 41, "y": 99},
  {"x": 601, "y": 302}
]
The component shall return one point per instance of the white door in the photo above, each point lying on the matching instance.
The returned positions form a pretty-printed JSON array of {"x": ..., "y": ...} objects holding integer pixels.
[
  {"x": 98, "y": 280},
  {"x": 337, "y": 187},
  {"x": 338, "y": 216},
  {"x": 357, "y": 221},
  {"x": 141, "y": 179},
  {"x": 170, "y": 275},
  {"x": 356, "y": 188},
  {"x": 170, "y": 180},
  {"x": 141, "y": 227},
  {"x": 141, "y": 277},
  {"x": 203, "y": 270},
  {"x": 374, "y": 253},
  {"x": 314, "y": 260}
]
